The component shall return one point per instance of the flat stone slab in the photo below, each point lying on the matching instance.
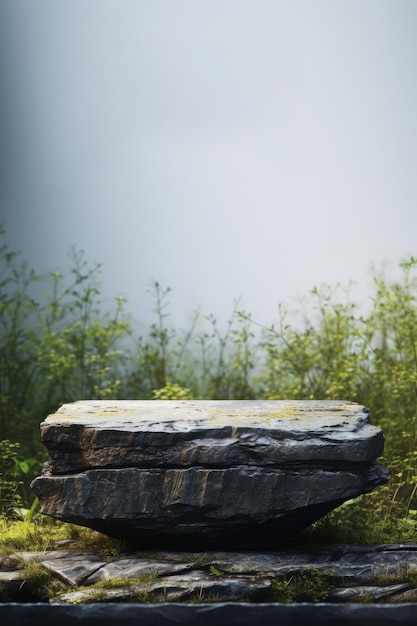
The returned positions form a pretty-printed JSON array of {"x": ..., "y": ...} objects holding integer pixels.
[
  {"x": 206, "y": 473},
  {"x": 206, "y": 505},
  {"x": 380, "y": 573},
  {"x": 140, "y": 433}
]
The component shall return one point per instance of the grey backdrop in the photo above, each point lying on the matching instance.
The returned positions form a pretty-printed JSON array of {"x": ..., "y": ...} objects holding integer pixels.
[{"x": 226, "y": 147}]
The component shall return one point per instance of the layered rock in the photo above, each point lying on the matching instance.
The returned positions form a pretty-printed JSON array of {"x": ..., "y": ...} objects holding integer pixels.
[
  {"x": 206, "y": 473},
  {"x": 376, "y": 573}
]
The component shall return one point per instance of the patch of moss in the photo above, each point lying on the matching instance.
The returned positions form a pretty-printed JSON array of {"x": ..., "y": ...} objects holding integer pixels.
[
  {"x": 363, "y": 599},
  {"x": 404, "y": 574},
  {"x": 202, "y": 559},
  {"x": 215, "y": 572},
  {"x": 41, "y": 582},
  {"x": 248, "y": 417},
  {"x": 136, "y": 590},
  {"x": 310, "y": 585},
  {"x": 18, "y": 536},
  {"x": 93, "y": 541},
  {"x": 359, "y": 521}
]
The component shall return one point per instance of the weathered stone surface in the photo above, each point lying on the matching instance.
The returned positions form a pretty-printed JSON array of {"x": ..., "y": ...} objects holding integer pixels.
[
  {"x": 200, "y": 505},
  {"x": 206, "y": 473},
  {"x": 371, "y": 593},
  {"x": 356, "y": 574},
  {"x": 103, "y": 434}
]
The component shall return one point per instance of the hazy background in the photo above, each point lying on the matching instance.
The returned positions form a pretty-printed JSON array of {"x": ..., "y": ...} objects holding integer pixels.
[{"x": 226, "y": 148}]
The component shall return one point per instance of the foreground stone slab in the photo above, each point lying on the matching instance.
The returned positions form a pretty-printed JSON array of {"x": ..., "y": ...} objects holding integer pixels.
[
  {"x": 379, "y": 573},
  {"x": 206, "y": 473}
]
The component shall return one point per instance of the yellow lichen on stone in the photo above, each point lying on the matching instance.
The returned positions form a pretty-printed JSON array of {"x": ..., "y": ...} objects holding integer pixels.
[{"x": 246, "y": 418}]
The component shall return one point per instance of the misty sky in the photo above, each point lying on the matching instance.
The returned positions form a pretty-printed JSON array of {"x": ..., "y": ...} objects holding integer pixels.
[{"x": 227, "y": 148}]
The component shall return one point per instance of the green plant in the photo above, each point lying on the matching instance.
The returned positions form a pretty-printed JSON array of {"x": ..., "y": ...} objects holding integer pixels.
[
  {"x": 79, "y": 353},
  {"x": 55, "y": 347},
  {"x": 327, "y": 359},
  {"x": 152, "y": 362},
  {"x": 404, "y": 573},
  {"x": 9, "y": 496},
  {"x": 87, "y": 539},
  {"x": 17, "y": 536},
  {"x": 41, "y": 582},
  {"x": 310, "y": 585},
  {"x": 171, "y": 392},
  {"x": 137, "y": 589},
  {"x": 27, "y": 515},
  {"x": 282, "y": 590},
  {"x": 228, "y": 358},
  {"x": 215, "y": 572},
  {"x": 18, "y": 338},
  {"x": 202, "y": 559},
  {"x": 200, "y": 596}
]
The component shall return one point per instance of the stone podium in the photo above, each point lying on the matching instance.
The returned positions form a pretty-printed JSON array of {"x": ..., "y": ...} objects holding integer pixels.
[{"x": 205, "y": 474}]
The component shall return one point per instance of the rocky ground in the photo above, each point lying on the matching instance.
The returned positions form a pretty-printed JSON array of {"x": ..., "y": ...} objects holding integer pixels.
[{"x": 338, "y": 574}]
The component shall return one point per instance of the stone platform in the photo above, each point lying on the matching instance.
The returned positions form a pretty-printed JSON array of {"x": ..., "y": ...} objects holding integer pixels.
[
  {"x": 374, "y": 574},
  {"x": 206, "y": 474}
]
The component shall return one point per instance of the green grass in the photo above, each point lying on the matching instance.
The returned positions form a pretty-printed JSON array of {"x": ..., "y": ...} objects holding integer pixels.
[
  {"x": 362, "y": 521},
  {"x": 21, "y": 536},
  {"x": 310, "y": 585},
  {"x": 40, "y": 581},
  {"x": 44, "y": 533}
]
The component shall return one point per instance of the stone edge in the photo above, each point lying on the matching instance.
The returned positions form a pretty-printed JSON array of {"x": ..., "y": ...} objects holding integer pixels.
[{"x": 222, "y": 614}]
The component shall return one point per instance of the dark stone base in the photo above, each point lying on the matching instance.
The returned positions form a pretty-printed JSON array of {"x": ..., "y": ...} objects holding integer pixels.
[
  {"x": 270, "y": 535},
  {"x": 227, "y": 614}
]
